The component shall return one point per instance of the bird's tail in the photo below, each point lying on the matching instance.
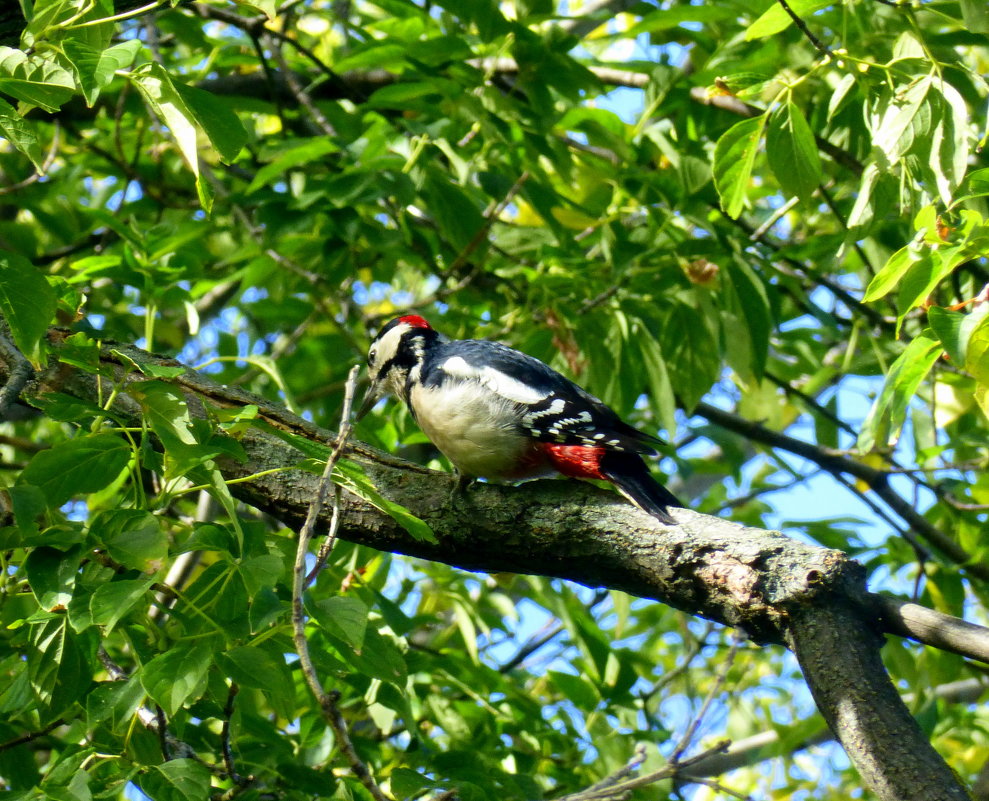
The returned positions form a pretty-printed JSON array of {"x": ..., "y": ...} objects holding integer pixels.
[{"x": 630, "y": 475}]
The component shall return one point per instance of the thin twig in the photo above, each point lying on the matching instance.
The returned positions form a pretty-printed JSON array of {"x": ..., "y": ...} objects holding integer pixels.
[
  {"x": 328, "y": 701},
  {"x": 775, "y": 217},
  {"x": 721, "y": 788},
  {"x": 300, "y": 94},
  {"x": 836, "y": 463},
  {"x": 490, "y": 216},
  {"x": 691, "y": 650},
  {"x": 34, "y": 735},
  {"x": 489, "y": 220},
  {"x": 822, "y": 48},
  {"x": 688, "y": 735},
  {"x": 38, "y": 173},
  {"x": 344, "y": 434},
  {"x": 228, "y": 754},
  {"x": 623, "y": 772}
]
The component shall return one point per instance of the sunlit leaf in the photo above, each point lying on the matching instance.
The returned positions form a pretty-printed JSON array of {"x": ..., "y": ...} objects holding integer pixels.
[
  {"x": 27, "y": 302},
  {"x": 792, "y": 151},
  {"x": 734, "y": 158}
]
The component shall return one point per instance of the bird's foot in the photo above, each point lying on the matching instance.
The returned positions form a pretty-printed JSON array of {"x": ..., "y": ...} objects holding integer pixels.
[{"x": 458, "y": 495}]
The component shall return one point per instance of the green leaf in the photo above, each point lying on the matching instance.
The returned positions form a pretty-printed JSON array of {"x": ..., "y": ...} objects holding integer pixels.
[
  {"x": 260, "y": 669},
  {"x": 895, "y": 268},
  {"x": 111, "y": 602},
  {"x": 57, "y": 666},
  {"x": 76, "y": 467},
  {"x": 576, "y": 689},
  {"x": 775, "y": 19},
  {"x": 177, "y": 676},
  {"x": 885, "y": 419},
  {"x": 222, "y": 126},
  {"x": 166, "y": 411},
  {"x": 157, "y": 87},
  {"x": 52, "y": 576},
  {"x": 133, "y": 538},
  {"x": 455, "y": 214},
  {"x": 950, "y": 141},
  {"x": 948, "y": 326},
  {"x": 841, "y": 94},
  {"x": 378, "y": 657},
  {"x": 114, "y": 702},
  {"x": 343, "y": 616},
  {"x": 734, "y": 158},
  {"x": 693, "y": 359},
  {"x": 15, "y": 129},
  {"x": 34, "y": 79},
  {"x": 900, "y": 121},
  {"x": 754, "y": 302},
  {"x": 405, "y": 95},
  {"x": 406, "y": 783},
  {"x": 975, "y": 14},
  {"x": 977, "y": 352},
  {"x": 250, "y": 666},
  {"x": 261, "y": 572},
  {"x": 311, "y": 151},
  {"x": 176, "y": 780},
  {"x": 661, "y": 393},
  {"x": 351, "y": 477},
  {"x": 27, "y": 303},
  {"x": 792, "y": 152},
  {"x": 94, "y": 69}
]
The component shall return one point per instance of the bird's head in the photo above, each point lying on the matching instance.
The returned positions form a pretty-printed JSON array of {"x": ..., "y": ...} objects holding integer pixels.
[{"x": 397, "y": 350}]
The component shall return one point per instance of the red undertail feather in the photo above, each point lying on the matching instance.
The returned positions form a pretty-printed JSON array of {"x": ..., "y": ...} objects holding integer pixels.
[
  {"x": 625, "y": 469},
  {"x": 575, "y": 461}
]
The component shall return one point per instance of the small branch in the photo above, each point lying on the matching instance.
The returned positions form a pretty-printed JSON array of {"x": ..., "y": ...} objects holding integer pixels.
[
  {"x": 822, "y": 48},
  {"x": 530, "y": 647},
  {"x": 776, "y": 743},
  {"x": 34, "y": 735},
  {"x": 328, "y": 701},
  {"x": 20, "y": 374},
  {"x": 154, "y": 721},
  {"x": 621, "y": 774},
  {"x": 933, "y": 628},
  {"x": 162, "y": 729},
  {"x": 621, "y": 789}
]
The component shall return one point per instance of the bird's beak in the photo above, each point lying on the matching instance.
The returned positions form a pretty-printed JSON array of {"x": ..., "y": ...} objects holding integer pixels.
[{"x": 370, "y": 398}]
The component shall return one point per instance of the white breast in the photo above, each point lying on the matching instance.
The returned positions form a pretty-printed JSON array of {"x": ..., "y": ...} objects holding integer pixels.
[{"x": 475, "y": 429}]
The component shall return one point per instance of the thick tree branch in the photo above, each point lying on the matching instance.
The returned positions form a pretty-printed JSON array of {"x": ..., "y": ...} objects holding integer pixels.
[
  {"x": 776, "y": 589},
  {"x": 867, "y": 716}
]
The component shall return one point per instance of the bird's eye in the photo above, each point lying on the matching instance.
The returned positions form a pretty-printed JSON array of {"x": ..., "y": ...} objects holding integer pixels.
[{"x": 371, "y": 356}]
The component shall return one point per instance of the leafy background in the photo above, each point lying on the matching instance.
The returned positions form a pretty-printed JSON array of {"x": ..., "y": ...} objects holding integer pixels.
[{"x": 706, "y": 214}]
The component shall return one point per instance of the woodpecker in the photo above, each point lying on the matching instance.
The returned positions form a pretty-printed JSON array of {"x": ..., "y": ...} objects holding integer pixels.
[{"x": 497, "y": 413}]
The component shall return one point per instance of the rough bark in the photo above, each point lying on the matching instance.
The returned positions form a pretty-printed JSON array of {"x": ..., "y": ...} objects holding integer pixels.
[{"x": 778, "y": 590}]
